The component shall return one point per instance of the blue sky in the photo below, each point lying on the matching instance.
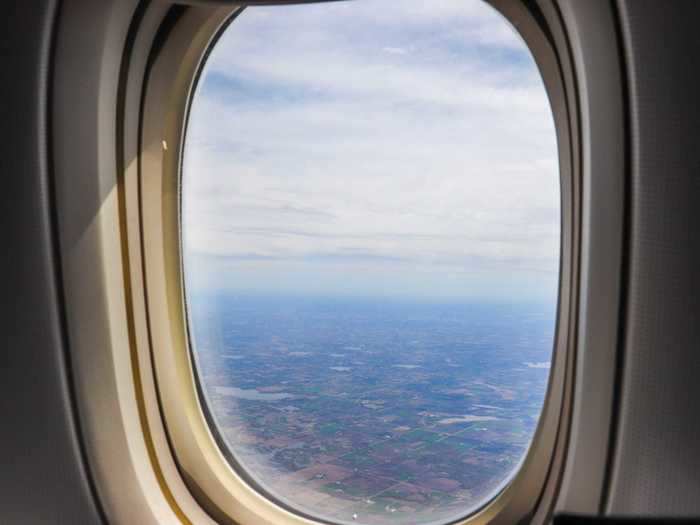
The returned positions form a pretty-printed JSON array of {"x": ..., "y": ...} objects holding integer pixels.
[{"x": 372, "y": 147}]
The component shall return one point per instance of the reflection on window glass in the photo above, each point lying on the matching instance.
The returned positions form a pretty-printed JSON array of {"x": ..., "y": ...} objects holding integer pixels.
[{"x": 370, "y": 219}]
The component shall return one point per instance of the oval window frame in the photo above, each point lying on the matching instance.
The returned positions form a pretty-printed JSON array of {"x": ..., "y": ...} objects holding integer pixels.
[{"x": 227, "y": 495}]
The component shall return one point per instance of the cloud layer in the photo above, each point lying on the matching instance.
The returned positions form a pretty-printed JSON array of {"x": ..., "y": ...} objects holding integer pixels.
[{"x": 399, "y": 148}]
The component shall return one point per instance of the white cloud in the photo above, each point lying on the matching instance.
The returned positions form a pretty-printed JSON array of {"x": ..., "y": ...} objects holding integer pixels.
[
  {"x": 395, "y": 50},
  {"x": 395, "y": 141}
]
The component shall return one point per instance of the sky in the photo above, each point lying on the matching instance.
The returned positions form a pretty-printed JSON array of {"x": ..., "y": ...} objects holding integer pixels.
[{"x": 372, "y": 148}]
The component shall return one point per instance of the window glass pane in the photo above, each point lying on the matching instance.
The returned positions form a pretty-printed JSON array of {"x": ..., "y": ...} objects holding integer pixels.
[{"x": 370, "y": 224}]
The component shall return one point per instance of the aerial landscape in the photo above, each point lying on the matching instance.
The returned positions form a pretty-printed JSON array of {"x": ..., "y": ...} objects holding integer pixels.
[
  {"x": 374, "y": 412},
  {"x": 370, "y": 207}
]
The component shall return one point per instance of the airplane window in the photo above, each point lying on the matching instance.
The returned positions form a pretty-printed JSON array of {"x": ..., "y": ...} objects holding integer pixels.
[{"x": 370, "y": 234}]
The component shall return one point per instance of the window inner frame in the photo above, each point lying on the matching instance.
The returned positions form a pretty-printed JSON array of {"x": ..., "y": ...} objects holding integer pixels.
[{"x": 227, "y": 493}]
